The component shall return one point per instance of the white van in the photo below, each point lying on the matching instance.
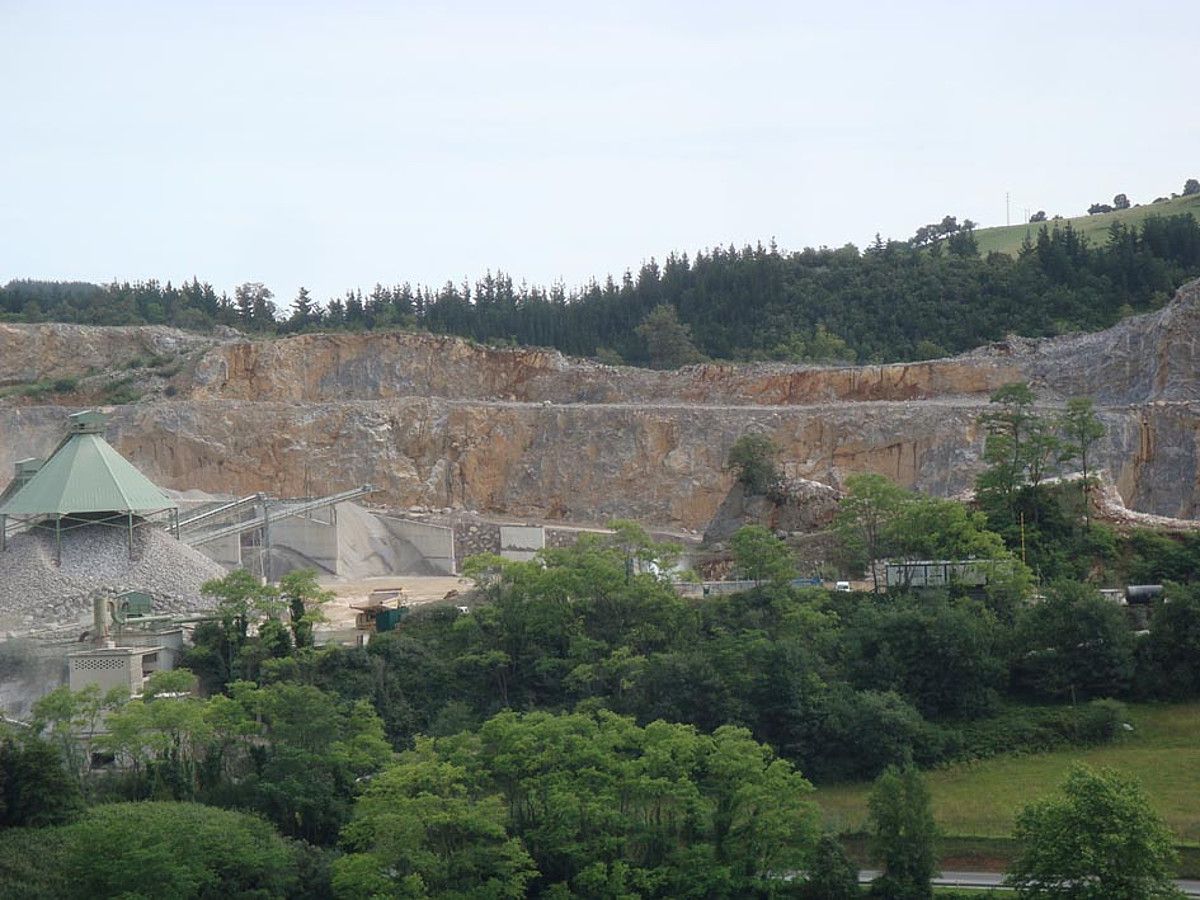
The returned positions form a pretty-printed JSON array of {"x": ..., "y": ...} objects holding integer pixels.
[{"x": 842, "y": 587}]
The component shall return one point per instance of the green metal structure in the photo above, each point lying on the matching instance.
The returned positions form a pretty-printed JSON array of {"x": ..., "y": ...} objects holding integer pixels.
[
  {"x": 134, "y": 604},
  {"x": 84, "y": 482},
  {"x": 388, "y": 619}
]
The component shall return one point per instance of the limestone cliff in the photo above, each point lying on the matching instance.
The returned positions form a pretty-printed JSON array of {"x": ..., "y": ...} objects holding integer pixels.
[{"x": 439, "y": 421}]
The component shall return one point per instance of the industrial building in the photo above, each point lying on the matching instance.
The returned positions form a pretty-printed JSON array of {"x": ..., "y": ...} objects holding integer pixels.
[
  {"x": 102, "y": 570},
  {"x": 84, "y": 483}
]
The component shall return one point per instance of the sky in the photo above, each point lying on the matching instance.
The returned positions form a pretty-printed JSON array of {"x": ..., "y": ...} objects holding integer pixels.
[{"x": 335, "y": 145}]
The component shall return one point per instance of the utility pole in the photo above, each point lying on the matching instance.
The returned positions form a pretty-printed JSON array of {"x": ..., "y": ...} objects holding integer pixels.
[{"x": 1007, "y": 215}]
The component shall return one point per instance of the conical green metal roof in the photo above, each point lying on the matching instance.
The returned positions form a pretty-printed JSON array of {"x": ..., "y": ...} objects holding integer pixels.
[{"x": 86, "y": 475}]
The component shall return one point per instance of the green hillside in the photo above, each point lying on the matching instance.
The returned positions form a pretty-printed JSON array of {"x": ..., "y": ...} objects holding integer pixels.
[{"x": 1007, "y": 239}]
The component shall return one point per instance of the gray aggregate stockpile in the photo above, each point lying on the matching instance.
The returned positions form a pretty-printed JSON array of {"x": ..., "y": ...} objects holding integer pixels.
[{"x": 34, "y": 591}]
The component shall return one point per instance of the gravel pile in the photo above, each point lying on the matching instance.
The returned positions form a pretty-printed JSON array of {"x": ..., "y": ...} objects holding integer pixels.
[{"x": 36, "y": 591}]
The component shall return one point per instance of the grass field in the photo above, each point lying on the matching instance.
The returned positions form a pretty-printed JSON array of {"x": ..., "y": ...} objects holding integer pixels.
[
  {"x": 981, "y": 799},
  {"x": 1007, "y": 239}
]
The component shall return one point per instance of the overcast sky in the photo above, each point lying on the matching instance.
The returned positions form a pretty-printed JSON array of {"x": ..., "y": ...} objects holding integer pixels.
[{"x": 342, "y": 143}]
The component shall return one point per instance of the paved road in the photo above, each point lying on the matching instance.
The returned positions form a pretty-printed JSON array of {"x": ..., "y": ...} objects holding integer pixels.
[{"x": 1190, "y": 888}]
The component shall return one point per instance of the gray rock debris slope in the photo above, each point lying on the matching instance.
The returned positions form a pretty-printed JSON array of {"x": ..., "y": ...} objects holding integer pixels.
[{"x": 35, "y": 591}]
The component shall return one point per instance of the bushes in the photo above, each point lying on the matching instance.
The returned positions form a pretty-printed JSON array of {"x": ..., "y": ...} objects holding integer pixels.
[
  {"x": 942, "y": 656},
  {"x": 1034, "y": 729},
  {"x": 149, "y": 850},
  {"x": 863, "y": 732},
  {"x": 858, "y": 734},
  {"x": 752, "y": 458},
  {"x": 1074, "y": 645},
  {"x": 1168, "y": 660},
  {"x": 35, "y": 787},
  {"x": 45, "y": 388}
]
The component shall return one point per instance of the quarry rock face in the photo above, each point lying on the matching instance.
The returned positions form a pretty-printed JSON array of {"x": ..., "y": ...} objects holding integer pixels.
[
  {"x": 438, "y": 421},
  {"x": 30, "y": 353}
]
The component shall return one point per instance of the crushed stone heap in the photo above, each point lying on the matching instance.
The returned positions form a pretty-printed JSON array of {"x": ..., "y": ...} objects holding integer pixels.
[{"x": 35, "y": 591}]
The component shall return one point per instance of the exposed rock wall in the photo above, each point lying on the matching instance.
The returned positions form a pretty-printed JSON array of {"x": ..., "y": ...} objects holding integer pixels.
[
  {"x": 441, "y": 422},
  {"x": 31, "y": 353}
]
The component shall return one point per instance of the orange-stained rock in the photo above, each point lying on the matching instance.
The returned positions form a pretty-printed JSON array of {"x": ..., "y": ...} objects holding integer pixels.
[{"x": 439, "y": 421}]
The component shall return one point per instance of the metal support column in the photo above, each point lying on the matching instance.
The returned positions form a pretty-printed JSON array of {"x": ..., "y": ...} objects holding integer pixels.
[
  {"x": 265, "y": 551},
  {"x": 3, "y": 533},
  {"x": 58, "y": 540},
  {"x": 131, "y": 535}
]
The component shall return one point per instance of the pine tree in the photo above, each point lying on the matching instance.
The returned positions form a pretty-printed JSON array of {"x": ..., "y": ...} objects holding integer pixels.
[{"x": 302, "y": 309}]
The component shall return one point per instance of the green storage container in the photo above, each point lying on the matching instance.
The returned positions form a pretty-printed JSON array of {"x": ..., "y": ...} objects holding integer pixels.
[{"x": 387, "y": 618}]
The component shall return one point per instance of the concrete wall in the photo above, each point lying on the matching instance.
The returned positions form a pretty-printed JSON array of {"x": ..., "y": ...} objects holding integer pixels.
[
  {"x": 371, "y": 545},
  {"x": 119, "y": 667},
  {"x": 227, "y": 551},
  {"x": 421, "y": 545},
  {"x": 521, "y": 542},
  {"x": 302, "y": 542}
]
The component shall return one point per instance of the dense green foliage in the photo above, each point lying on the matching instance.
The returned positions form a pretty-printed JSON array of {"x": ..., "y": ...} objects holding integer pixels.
[
  {"x": 1099, "y": 841},
  {"x": 893, "y": 301},
  {"x": 842, "y": 685},
  {"x": 831, "y": 874},
  {"x": 287, "y": 750},
  {"x": 879, "y": 520},
  {"x": 1073, "y": 644},
  {"x": 35, "y": 787},
  {"x": 594, "y": 807},
  {"x": 584, "y": 731},
  {"x": 1048, "y": 524},
  {"x": 1168, "y": 658},
  {"x": 147, "y": 850},
  {"x": 753, "y": 458},
  {"x": 761, "y": 557}
]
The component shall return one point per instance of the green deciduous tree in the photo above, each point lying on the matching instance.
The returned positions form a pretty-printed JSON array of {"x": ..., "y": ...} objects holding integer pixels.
[
  {"x": 753, "y": 460},
  {"x": 149, "y": 850},
  {"x": 903, "y": 835},
  {"x": 1073, "y": 645},
  {"x": 1099, "y": 840},
  {"x": 1008, "y": 426},
  {"x": 865, "y": 518},
  {"x": 877, "y": 518},
  {"x": 831, "y": 874},
  {"x": 35, "y": 787},
  {"x": 70, "y": 720},
  {"x": 934, "y": 528},
  {"x": 604, "y": 808},
  {"x": 668, "y": 341},
  {"x": 761, "y": 557},
  {"x": 420, "y": 831},
  {"x": 224, "y": 649},
  {"x": 161, "y": 738},
  {"x": 1169, "y": 657},
  {"x": 304, "y": 599},
  {"x": 1082, "y": 428},
  {"x": 944, "y": 657},
  {"x": 307, "y": 757}
]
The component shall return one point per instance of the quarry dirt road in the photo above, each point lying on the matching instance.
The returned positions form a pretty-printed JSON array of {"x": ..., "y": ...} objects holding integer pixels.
[{"x": 417, "y": 591}]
